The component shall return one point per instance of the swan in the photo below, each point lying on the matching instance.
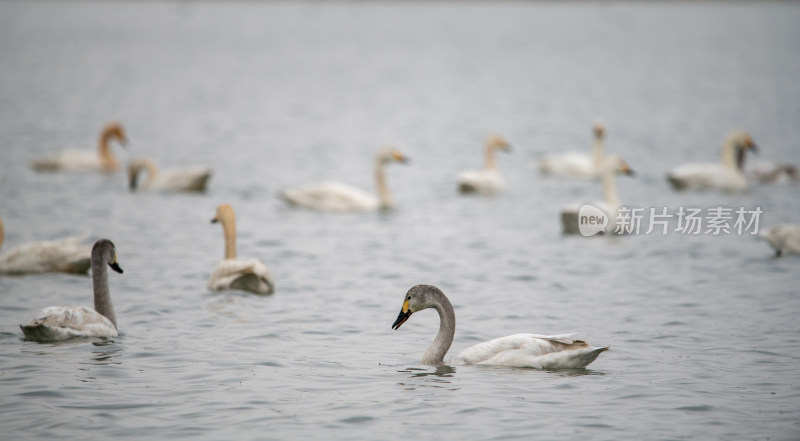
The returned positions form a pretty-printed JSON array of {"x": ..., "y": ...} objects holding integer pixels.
[
  {"x": 57, "y": 323},
  {"x": 486, "y": 181},
  {"x": 784, "y": 239},
  {"x": 185, "y": 180},
  {"x": 726, "y": 175},
  {"x": 72, "y": 160},
  {"x": 612, "y": 165},
  {"x": 771, "y": 173},
  {"x": 250, "y": 275},
  {"x": 518, "y": 350},
  {"x": 337, "y": 197},
  {"x": 66, "y": 256},
  {"x": 578, "y": 164}
]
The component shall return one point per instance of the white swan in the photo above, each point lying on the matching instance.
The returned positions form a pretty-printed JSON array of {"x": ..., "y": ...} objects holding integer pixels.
[
  {"x": 577, "y": 164},
  {"x": 56, "y": 323},
  {"x": 487, "y": 181},
  {"x": 519, "y": 350},
  {"x": 612, "y": 165},
  {"x": 726, "y": 175},
  {"x": 76, "y": 160},
  {"x": 65, "y": 256},
  {"x": 771, "y": 173},
  {"x": 784, "y": 239},
  {"x": 184, "y": 180},
  {"x": 333, "y": 196},
  {"x": 250, "y": 275}
]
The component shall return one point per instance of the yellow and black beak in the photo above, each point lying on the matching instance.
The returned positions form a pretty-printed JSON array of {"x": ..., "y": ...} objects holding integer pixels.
[
  {"x": 405, "y": 313},
  {"x": 115, "y": 265}
]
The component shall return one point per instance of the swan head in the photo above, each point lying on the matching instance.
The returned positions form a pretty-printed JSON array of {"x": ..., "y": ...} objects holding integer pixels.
[
  {"x": 224, "y": 214},
  {"x": 391, "y": 154},
  {"x": 114, "y": 130},
  {"x": 498, "y": 142},
  {"x": 104, "y": 252},
  {"x": 617, "y": 165},
  {"x": 416, "y": 299},
  {"x": 599, "y": 130}
]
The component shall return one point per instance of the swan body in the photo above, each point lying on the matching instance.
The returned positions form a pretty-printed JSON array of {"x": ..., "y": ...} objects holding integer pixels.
[
  {"x": 487, "y": 181},
  {"x": 726, "y": 176},
  {"x": 83, "y": 161},
  {"x": 343, "y": 198},
  {"x": 57, "y": 323},
  {"x": 192, "y": 179},
  {"x": 518, "y": 350},
  {"x": 613, "y": 165},
  {"x": 784, "y": 239},
  {"x": 577, "y": 164},
  {"x": 231, "y": 273},
  {"x": 771, "y": 173},
  {"x": 66, "y": 256}
]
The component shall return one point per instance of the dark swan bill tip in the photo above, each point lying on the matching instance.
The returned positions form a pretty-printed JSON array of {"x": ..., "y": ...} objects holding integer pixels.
[{"x": 115, "y": 266}]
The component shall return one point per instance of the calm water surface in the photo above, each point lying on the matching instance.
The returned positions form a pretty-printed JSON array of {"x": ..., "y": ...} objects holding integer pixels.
[{"x": 704, "y": 330}]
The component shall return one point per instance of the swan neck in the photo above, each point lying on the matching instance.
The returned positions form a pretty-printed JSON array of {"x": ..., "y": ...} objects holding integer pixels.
[
  {"x": 384, "y": 196},
  {"x": 102, "y": 298},
  {"x": 444, "y": 338},
  {"x": 610, "y": 189},
  {"x": 598, "y": 152},
  {"x": 490, "y": 164},
  {"x": 108, "y": 161},
  {"x": 152, "y": 173},
  {"x": 729, "y": 159},
  {"x": 2, "y": 234},
  {"x": 229, "y": 231}
]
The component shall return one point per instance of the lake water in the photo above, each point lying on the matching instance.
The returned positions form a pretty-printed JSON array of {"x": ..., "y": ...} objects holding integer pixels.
[{"x": 704, "y": 329}]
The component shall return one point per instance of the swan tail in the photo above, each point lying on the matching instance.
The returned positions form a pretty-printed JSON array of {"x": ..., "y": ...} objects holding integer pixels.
[
  {"x": 45, "y": 165},
  {"x": 677, "y": 183}
]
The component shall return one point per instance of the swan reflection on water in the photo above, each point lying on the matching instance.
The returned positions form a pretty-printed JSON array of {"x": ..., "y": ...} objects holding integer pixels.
[{"x": 441, "y": 370}]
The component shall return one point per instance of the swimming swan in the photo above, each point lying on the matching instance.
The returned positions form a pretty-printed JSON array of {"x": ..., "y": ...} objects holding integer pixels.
[
  {"x": 183, "y": 180},
  {"x": 486, "y": 181},
  {"x": 578, "y": 164},
  {"x": 518, "y": 350},
  {"x": 65, "y": 256},
  {"x": 250, "y": 275},
  {"x": 613, "y": 165},
  {"x": 784, "y": 239},
  {"x": 773, "y": 173},
  {"x": 57, "y": 323},
  {"x": 726, "y": 175},
  {"x": 336, "y": 197},
  {"x": 72, "y": 160}
]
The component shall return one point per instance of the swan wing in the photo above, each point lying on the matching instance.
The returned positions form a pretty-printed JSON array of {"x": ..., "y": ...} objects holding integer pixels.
[
  {"x": 250, "y": 275},
  {"x": 189, "y": 179},
  {"x": 570, "y": 164},
  {"x": 531, "y": 350},
  {"x": 784, "y": 239},
  {"x": 486, "y": 182},
  {"x": 330, "y": 196},
  {"x": 66, "y": 255},
  {"x": 69, "y": 160},
  {"x": 708, "y": 176},
  {"x": 56, "y": 323}
]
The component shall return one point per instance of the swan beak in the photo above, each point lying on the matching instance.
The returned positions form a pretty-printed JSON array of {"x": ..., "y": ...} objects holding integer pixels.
[
  {"x": 630, "y": 172},
  {"x": 115, "y": 266},
  {"x": 405, "y": 313},
  {"x": 215, "y": 220}
]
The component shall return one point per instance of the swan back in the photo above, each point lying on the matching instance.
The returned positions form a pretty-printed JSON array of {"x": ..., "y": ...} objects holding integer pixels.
[
  {"x": 784, "y": 239},
  {"x": 67, "y": 255}
]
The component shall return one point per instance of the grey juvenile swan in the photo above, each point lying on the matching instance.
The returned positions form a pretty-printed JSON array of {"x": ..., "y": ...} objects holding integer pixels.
[
  {"x": 519, "y": 350},
  {"x": 56, "y": 323}
]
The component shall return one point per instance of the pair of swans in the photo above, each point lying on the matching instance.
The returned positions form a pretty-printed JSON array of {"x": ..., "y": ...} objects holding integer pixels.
[
  {"x": 518, "y": 350},
  {"x": 578, "y": 164},
  {"x": 487, "y": 181},
  {"x": 343, "y": 198},
  {"x": 57, "y": 323},
  {"x": 65, "y": 256},
  {"x": 784, "y": 239},
  {"x": 250, "y": 275},
  {"x": 192, "y": 179},
  {"x": 727, "y": 175},
  {"x": 612, "y": 166},
  {"x": 76, "y": 160}
]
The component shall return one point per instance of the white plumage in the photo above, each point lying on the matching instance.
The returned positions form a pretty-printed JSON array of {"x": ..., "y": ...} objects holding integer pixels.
[
  {"x": 784, "y": 239},
  {"x": 577, "y": 164},
  {"x": 66, "y": 255},
  {"x": 486, "y": 181},
  {"x": 726, "y": 175},
  {"x": 84, "y": 161},
  {"x": 190, "y": 179}
]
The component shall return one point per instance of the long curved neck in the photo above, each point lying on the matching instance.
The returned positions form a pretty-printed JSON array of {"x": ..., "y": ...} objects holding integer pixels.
[
  {"x": 384, "y": 196},
  {"x": 152, "y": 172},
  {"x": 729, "y": 159},
  {"x": 102, "y": 298},
  {"x": 490, "y": 164},
  {"x": 598, "y": 152},
  {"x": 2, "y": 234},
  {"x": 610, "y": 189},
  {"x": 108, "y": 161},
  {"x": 444, "y": 338},
  {"x": 229, "y": 231}
]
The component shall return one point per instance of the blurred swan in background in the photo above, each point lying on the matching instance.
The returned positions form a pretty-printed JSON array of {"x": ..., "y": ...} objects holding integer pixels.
[
  {"x": 613, "y": 165},
  {"x": 726, "y": 175},
  {"x": 65, "y": 256},
  {"x": 250, "y": 275},
  {"x": 486, "y": 181},
  {"x": 772, "y": 173},
  {"x": 183, "y": 180},
  {"x": 56, "y": 323},
  {"x": 784, "y": 239},
  {"x": 518, "y": 350},
  {"x": 578, "y": 164},
  {"x": 76, "y": 160},
  {"x": 337, "y": 197}
]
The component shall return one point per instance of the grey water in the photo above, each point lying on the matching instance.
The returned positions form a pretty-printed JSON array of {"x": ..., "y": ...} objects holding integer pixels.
[{"x": 704, "y": 329}]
